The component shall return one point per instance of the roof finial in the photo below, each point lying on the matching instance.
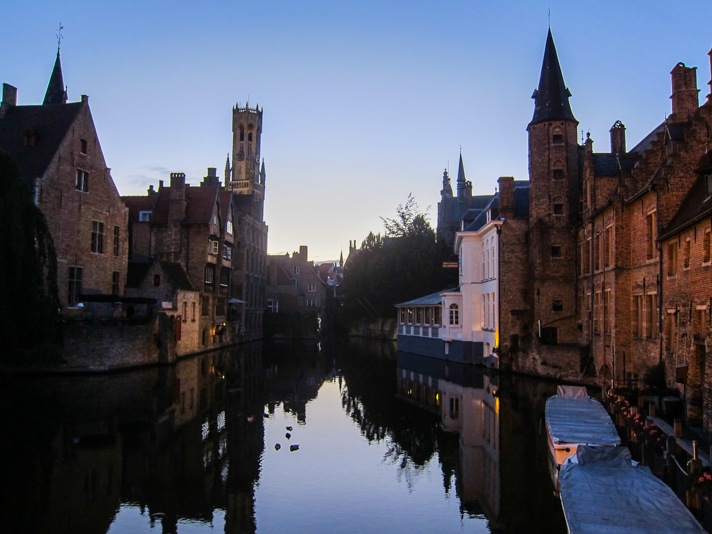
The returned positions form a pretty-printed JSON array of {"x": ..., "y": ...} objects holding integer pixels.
[
  {"x": 549, "y": 17},
  {"x": 59, "y": 35}
]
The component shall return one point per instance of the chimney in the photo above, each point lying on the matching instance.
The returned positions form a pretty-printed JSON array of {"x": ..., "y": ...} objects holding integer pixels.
[
  {"x": 684, "y": 92},
  {"x": 506, "y": 196},
  {"x": 304, "y": 253},
  {"x": 618, "y": 138},
  {"x": 176, "y": 206},
  {"x": 212, "y": 178},
  {"x": 9, "y": 98}
]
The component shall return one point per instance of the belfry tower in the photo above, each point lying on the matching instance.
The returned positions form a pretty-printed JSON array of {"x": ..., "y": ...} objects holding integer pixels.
[
  {"x": 247, "y": 173},
  {"x": 554, "y": 176}
]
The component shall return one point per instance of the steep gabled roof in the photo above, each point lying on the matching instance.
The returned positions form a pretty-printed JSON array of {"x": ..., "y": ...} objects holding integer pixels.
[
  {"x": 31, "y": 135},
  {"x": 551, "y": 98},
  {"x": 696, "y": 206},
  {"x": 200, "y": 204}
]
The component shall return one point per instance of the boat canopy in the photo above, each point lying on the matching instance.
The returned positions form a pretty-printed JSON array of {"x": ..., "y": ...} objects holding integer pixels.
[
  {"x": 602, "y": 491},
  {"x": 579, "y": 420}
]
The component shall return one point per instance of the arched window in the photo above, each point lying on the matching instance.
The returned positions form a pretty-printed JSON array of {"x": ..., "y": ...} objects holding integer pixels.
[
  {"x": 242, "y": 133},
  {"x": 454, "y": 315}
]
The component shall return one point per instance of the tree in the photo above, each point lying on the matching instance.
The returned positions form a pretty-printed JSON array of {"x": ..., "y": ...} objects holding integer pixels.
[
  {"x": 29, "y": 305},
  {"x": 405, "y": 264}
]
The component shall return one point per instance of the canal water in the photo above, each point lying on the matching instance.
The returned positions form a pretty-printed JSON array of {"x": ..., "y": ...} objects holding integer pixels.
[{"x": 332, "y": 437}]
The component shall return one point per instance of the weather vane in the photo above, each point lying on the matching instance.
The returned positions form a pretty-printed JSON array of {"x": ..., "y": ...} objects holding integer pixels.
[{"x": 59, "y": 35}]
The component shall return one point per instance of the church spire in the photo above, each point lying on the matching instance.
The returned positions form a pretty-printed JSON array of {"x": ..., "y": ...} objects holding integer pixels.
[
  {"x": 227, "y": 171},
  {"x": 56, "y": 93},
  {"x": 461, "y": 172},
  {"x": 551, "y": 98}
]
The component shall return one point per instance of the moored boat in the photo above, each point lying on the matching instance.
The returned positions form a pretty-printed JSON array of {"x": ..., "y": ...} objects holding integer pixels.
[
  {"x": 574, "y": 419},
  {"x": 602, "y": 490}
]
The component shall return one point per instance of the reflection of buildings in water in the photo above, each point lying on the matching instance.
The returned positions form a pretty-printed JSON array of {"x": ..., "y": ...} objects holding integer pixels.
[
  {"x": 466, "y": 398},
  {"x": 156, "y": 438}
]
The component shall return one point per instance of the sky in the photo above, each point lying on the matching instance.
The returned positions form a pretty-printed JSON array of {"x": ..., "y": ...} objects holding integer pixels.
[{"x": 364, "y": 102}]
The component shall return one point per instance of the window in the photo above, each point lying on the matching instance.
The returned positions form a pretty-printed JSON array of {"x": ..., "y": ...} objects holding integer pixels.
[
  {"x": 672, "y": 259},
  {"x": 75, "y": 285},
  {"x": 596, "y": 312},
  {"x": 706, "y": 251},
  {"x": 686, "y": 254},
  {"x": 192, "y": 317},
  {"x": 558, "y": 207},
  {"x": 587, "y": 256},
  {"x": 115, "y": 283},
  {"x": 597, "y": 252},
  {"x": 651, "y": 235},
  {"x": 311, "y": 287},
  {"x": 213, "y": 247},
  {"x": 156, "y": 280},
  {"x": 185, "y": 312},
  {"x": 607, "y": 312},
  {"x": 220, "y": 306},
  {"x": 311, "y": 303},
  {"x": 295, "y": 269},
  {"x": 638, "y": 316},
  {"x": 229, "y": 229},
  {"x": 224, "y": 276},
  {"x": 83, "y": 146},
  {"x": 651, "y": 307},
  {"x": 558, "y": 174},
  {"x": 145, "y": 215},
  {"x": 97, "y": 237},
  {"x": 557, "y": 139},
  {"x": 82, "y": 181},
  {"x": 272, "y": 306},
  {"x": 454, "y": 315},
  {"x": 227, "y": 251},
  {"x": 209, "y": 274},
  {"x": 608, "y": 247},
  {"x": 205, "y": 306},
  {"x": 549, "y": 335},
  {"x": 557, "y": 305},
  {"x": 454, "y": 407},
  {"x": 116, "y": 240}
]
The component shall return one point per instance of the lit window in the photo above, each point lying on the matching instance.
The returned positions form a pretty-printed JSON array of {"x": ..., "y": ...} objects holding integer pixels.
[
  {"x": 97, "y": 237},
  {"x": 229, "y": 228}
]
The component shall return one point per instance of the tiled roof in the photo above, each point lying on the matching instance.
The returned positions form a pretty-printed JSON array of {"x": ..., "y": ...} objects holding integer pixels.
[
  {"x": 137, "y": 204},
  {"x": 200, "y": 204},
  {"x": 551, "y": 98},
  {"x": 429, "y": 300},
  {"x": 697, "y": 205},
  {"x": 47, "y": 126}
]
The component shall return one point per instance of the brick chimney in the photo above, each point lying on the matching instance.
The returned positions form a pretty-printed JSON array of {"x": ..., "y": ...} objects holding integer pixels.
[
  {"x": 212, "y": 178},
  {"x": 684, "y": 92},
  {"x": 618, "y": 138},
  {"x": 506, "y": 196},
  {"x": 304, "y": 253},
  {"x": 176, "y": 206},
  {"x": 9, "y": 98}
]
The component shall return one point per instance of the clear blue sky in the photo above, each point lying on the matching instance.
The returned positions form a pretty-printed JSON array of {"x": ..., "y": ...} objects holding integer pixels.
[{"x": 364, "y": 102}]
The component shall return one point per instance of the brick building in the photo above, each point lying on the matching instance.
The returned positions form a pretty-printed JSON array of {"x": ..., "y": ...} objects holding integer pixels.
[
  {"x": 193, "y": 227},
  {"x": 56, "y": 147}
]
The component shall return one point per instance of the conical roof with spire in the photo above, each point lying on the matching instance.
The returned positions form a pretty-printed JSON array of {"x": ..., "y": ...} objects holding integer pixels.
[
  {"x": 551, "y": 98},
  {"x": 461, "y": 172},
  {"x": 56, "y": 93}
]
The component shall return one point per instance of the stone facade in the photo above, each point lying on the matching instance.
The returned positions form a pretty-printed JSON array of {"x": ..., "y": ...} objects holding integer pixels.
[{"x": 57, "y": 149}]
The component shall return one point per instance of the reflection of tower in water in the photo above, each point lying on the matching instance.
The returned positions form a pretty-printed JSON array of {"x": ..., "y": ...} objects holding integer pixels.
[{"x": 245, "y": 425}]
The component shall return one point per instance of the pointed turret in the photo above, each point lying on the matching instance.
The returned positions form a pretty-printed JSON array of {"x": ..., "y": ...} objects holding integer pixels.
[
  {"x": 227, "y": 171},
  {"x": 551, "y": 98},
  {"x": 464, "y": 188},
  {"x": 56, "y": 93}
]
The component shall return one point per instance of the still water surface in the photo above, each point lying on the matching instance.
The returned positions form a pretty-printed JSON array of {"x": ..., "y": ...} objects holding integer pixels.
[{"x": 383, "y": 442}]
